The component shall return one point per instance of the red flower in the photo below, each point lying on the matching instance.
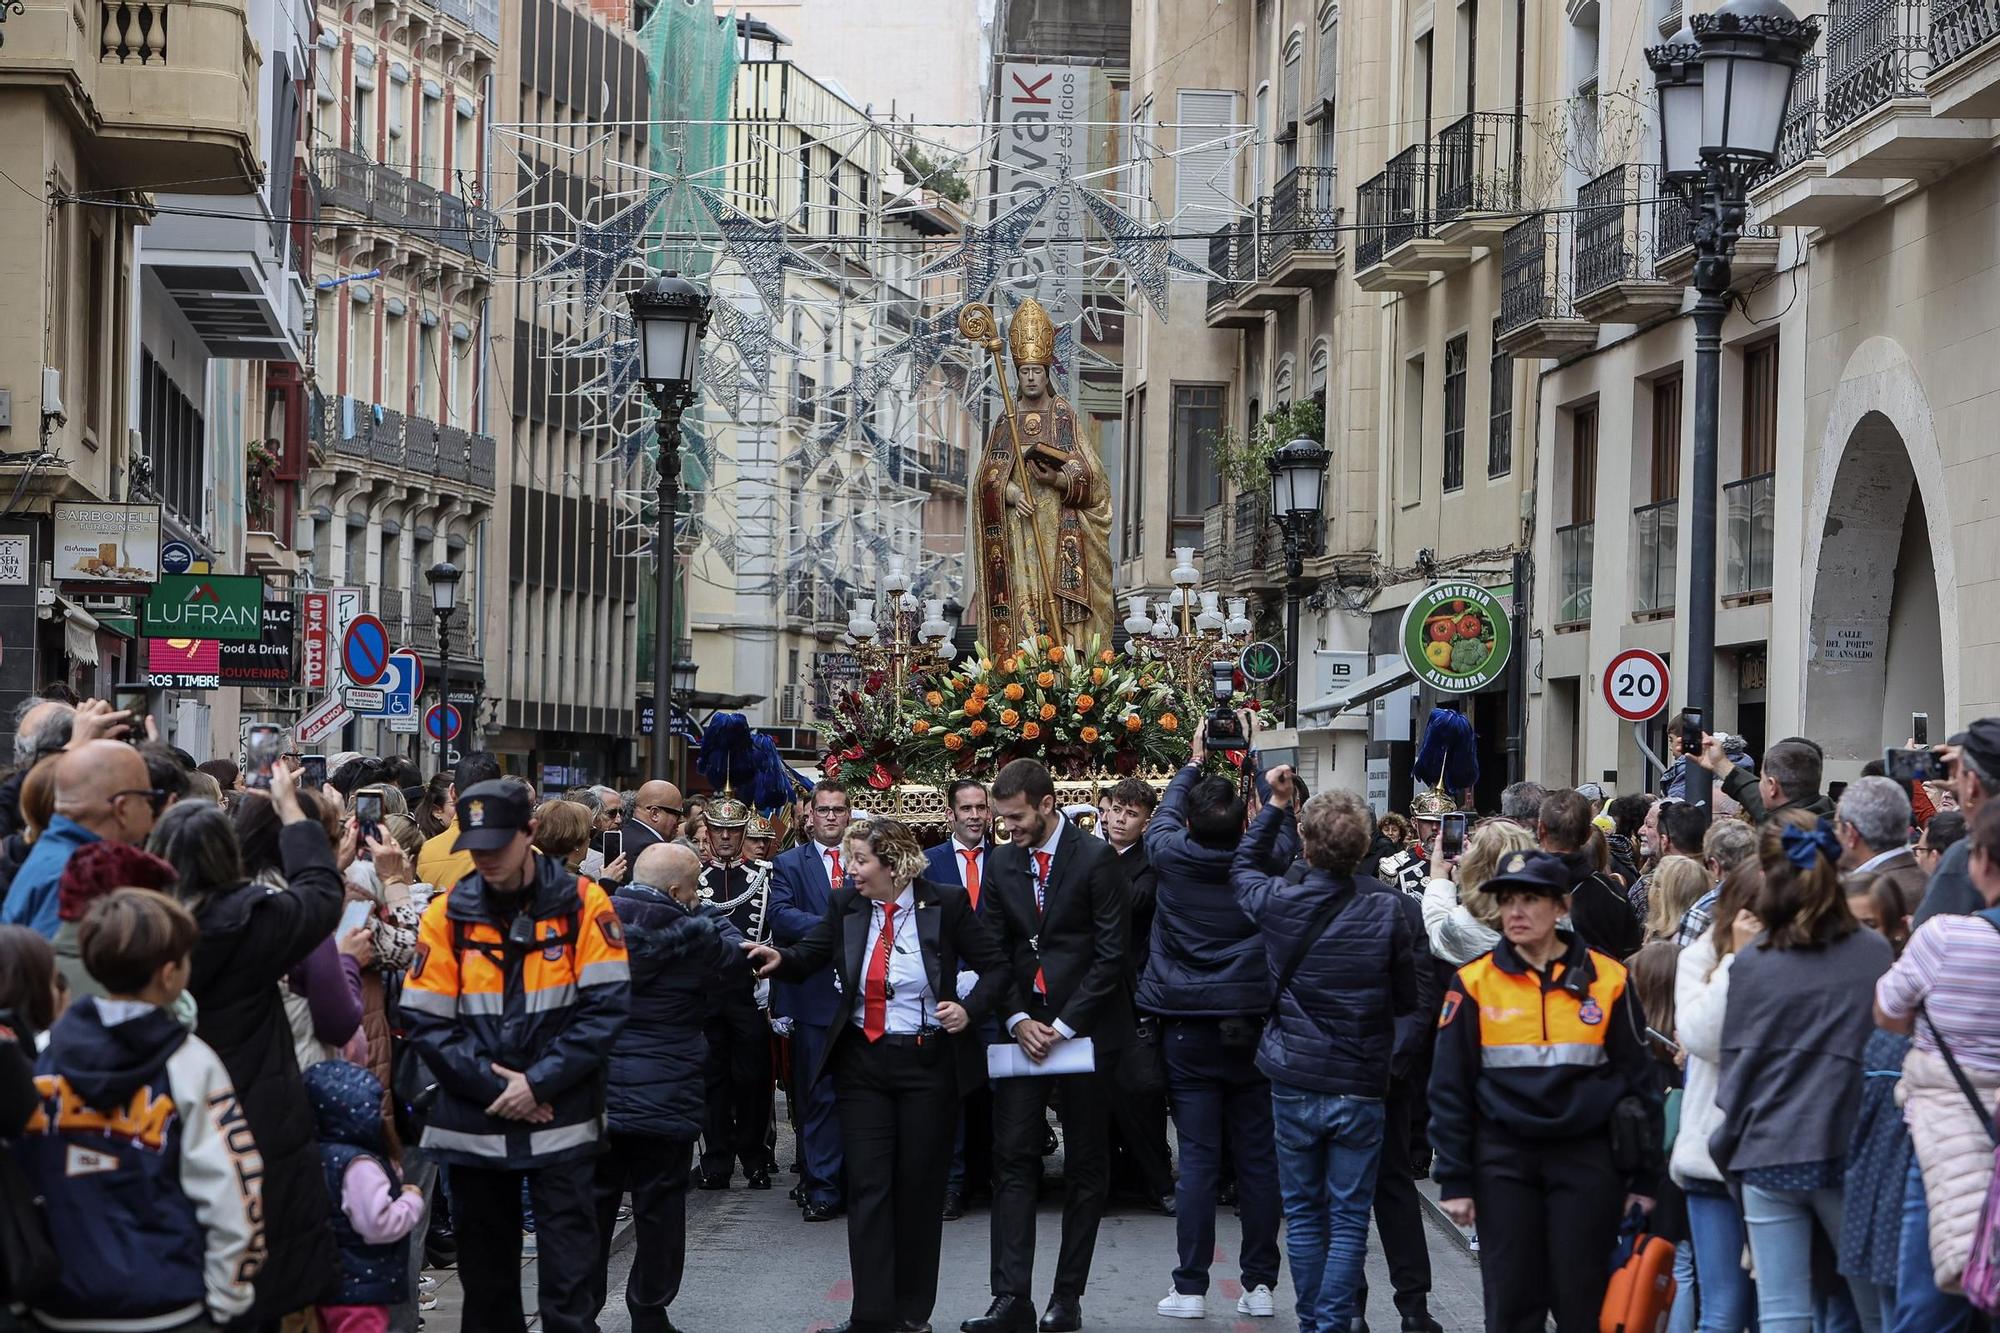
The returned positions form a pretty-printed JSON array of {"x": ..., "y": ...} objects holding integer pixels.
[
  {"x": 880, "y": 779},
  {"x": 1125, "y": 762},
  {"x": 851, "y": 754},
  {"x": 876, "y": 680}
]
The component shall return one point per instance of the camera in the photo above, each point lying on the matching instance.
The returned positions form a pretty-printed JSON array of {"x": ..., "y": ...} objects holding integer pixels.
[{"x": 1225, "y": 725}]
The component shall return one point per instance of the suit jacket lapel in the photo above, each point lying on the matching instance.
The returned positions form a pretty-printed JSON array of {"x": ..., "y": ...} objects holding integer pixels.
[
  {"x": 859, "y": 913},
  {"x": 1064, "y": 869},
  {"x": 930, "y": 932}
]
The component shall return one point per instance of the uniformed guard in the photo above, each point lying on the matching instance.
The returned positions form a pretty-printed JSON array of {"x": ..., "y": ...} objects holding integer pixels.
[
  {"x": 737, "y": 1075},
  {"x": 760, "y": 839},
  {"x": 1410, "y": 868}
]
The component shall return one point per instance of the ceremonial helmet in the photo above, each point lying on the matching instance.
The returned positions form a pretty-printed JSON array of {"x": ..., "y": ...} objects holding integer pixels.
[
  {"x": 1031, "y": 335},
  {"x": 727, "y": 811},
  {"x": 1431, "y": 802},
  {"x": 758, "y": 827}
]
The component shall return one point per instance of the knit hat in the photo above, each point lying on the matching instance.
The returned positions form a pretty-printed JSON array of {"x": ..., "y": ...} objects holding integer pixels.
[{"x": 96, "y": 868}]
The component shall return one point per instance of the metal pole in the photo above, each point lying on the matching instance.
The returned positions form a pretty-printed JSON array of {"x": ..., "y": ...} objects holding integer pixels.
[
  {"x": 1715, "y": 237},
  {"x": 444, "y": 690},
  {"x": 1517, "y": 671},
  {"x": 1295, "y": 572},
  {"x": 668, "y": 503}
]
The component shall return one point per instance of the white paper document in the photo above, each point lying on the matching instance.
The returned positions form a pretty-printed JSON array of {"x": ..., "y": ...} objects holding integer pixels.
[{"x": 1075, "y": 1055}]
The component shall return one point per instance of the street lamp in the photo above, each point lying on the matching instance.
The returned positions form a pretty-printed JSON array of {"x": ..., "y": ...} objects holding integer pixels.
[
  {"x": 1724, "y": 84},
  {"x": 684, "y": 673},
  {"x": 443, "y": 578},
  {"x": 1298, "y": 485},
  {"x": 671, "y": 314}
]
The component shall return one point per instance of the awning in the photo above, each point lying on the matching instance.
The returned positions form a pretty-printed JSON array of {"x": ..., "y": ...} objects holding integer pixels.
[
  {"x": 79, "y": 633},
  {"x": 1364, "y": 691}
]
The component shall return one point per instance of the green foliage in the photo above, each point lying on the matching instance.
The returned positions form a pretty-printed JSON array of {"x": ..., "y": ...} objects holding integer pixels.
[
  {"x": 1246, "y": 463},
  {"x": 941, "y": 176}
]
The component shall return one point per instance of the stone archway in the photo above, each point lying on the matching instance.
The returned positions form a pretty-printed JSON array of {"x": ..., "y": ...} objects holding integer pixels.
[{"x": 1880, "y": 582}]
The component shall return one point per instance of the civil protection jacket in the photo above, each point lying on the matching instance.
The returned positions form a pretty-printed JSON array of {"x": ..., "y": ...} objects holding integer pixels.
[
  {"x": 536, "y": 982},
  {"x": 1535, "y": 1055}
]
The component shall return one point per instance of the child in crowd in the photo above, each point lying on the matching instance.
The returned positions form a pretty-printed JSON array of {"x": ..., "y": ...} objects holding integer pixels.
[
  {"x": 138, "y": 1144},
  {"x": 373, "y": 1215}
]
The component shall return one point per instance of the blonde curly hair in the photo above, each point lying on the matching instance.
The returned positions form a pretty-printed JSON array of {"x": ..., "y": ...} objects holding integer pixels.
[
  {"x": 1483, "y": 849},
  {"x": 890, "y": 842}
]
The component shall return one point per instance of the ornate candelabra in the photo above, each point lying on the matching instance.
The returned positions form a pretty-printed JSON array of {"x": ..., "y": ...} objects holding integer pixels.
[
  {"x": 908, "y": 646},
  {"x": 1190, "y": 631}
]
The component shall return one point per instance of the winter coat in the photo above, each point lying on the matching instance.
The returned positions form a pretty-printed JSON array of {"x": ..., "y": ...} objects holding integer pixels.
[
  {"x": 347, "y": 1115},
  {"x": 1333, "y": 1029},
  {"x": 677, "y": 958},
  {"x": 32, "y": 896},
  {"x": 1955, "y": 1152},
  {"x": 1701, "y": 997},
  {"x": 251, "y": 937},
  {"x": 1207, "y": 957},
  {"x": 1456, "y": 935}
]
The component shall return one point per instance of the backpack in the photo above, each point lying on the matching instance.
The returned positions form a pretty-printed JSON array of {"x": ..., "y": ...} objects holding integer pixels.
[{"x": 1640, "y": 1295}]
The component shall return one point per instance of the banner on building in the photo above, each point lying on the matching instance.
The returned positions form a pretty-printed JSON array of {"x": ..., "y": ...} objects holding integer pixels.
[
  {"x": 1042, "y": 139},
  {"x": 269, "y": 660},
  {"x": 318, "y": 613},
  {"x": 1456, "y": 637},
  {"x": 106, "y": 548},
  {"x": 204, "y": 606}
]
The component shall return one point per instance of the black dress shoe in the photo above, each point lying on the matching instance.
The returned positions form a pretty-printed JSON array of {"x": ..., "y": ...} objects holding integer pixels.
[
  {"x": 1064, "y": 1315},
  {"x": 1166, "y": 1205},
  {"x": 1421, "y": 1323},
  {"x": 954, "y": 1205},
  {"x": 1007, "y": 1314},
  {"x": 912, "y": 1326},
  {"x": 714, "y": 1182},
  {"x": 760, "y": 1180},
  {"x": 821, "y": 1212}
]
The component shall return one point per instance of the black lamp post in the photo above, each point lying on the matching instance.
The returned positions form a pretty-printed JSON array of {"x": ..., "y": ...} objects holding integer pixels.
[
  {"x": 1724, "y": 83},
  {"x": 672, "y": 315},
  {"x": 1298, "y": 486},
  {"x": 443, "y": 578}
]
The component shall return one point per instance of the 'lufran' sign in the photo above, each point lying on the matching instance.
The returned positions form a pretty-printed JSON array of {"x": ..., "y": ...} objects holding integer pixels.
[{"x": 229, "y": 607}]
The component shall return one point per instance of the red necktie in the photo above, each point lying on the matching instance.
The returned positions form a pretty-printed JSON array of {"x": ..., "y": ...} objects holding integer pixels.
[
  {"x": 875, "y": 987},
  {"x": 833, "y": 855},
  {"x": 1042, "y": 860},
  {"x": 971, "y": 855}
]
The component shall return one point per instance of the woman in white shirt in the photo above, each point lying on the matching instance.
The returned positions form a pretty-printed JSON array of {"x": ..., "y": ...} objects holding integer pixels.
[{"x": 1460, "y": 918}]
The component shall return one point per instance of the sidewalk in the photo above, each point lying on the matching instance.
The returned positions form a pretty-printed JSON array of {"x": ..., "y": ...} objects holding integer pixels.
[{"x": 451, "y": 1297}]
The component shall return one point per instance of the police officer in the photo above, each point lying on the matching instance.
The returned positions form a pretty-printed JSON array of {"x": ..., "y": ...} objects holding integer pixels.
[
  {"x": 737, "y": 1076},
  {"x": 518, "y": 987}
]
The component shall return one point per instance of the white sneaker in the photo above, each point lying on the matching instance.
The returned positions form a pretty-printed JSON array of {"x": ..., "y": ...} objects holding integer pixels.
[
  {"x": 1258, "y": 1302},
  {"x": 1184, "y": 1305}
]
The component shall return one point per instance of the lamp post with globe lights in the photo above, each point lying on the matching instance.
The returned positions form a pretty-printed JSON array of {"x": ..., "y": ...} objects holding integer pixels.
[{"x": 1298, "y": 497}]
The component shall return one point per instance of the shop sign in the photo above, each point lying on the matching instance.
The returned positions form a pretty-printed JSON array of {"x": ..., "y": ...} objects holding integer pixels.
[
  {"x": 268, "y": 661},
  {"x": 183, "y": 664},
  {"x": 1456, "y": 637},
  {"x": 106, "y": 548},
  {"x": 205, "y": 606}
]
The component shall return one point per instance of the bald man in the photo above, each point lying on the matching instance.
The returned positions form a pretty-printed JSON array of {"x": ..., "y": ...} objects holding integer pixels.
[
  {"x": 680, "y": 952},
  {"x": 656, "y": 819},
  {"x": 102, "y": 794}
]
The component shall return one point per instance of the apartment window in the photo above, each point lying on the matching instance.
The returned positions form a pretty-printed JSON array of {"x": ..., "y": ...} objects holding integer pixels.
[
  {"x": 1423, "y": 73},
  {"x": 1317, "y": 366},
  {"x": 1262, "y": 113},
  {"x": 363, "y": 123},
  {"x": 430, "y": 141},
  {"x": 96, "y": 354},
  {"x": 804, "y": 209},
  {"x": 1667, "y": 437},
  {"x": 1197, "y": 421},
  {"x": 805, "y": 401},
  {"x": 1328, "y": 54},
  {"x": 1412, "y": 426},
  {"x": 1500, "y": 411},
  {"x": 1131, "y": 532},
  {"x": 1583, "y": 465},
  {"x": 1468, "y": 53},
  {"x": 1289, "y": 86},
  {"x": 1139, "y": 157},
  {"x": 1204, "y": 169},
  {"x": 429, "y": 375},
  {"x": 1760, "y": 408},
  {"x": 361, "y": 344},
  {"x": 464, "y": 160},
  {"x": 1454, "y": 413},
  {"x": 395, "y": 362},
  {"x": 175, "y": 440}
]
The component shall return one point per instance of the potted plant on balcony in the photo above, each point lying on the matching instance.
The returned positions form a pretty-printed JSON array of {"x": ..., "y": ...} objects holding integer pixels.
[
  {"x": 260, "y": 466},
  {"x": 1245, "y": 462}
]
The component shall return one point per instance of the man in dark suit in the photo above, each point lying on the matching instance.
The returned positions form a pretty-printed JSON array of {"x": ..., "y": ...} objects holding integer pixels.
[
  {"x": 655, "y": 817},
  {"x": 802, "y": 883},
  {"x": 1140, "y": 1162},
  {"x": 1065, "y": 922},
  {"x": 961, "y": 860}
]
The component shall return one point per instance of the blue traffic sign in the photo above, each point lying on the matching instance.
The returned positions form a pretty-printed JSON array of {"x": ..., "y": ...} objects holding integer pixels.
[
  {"x": 176, "y": 558},
  {"x": 400, "y": 684},
  {"x": 364, "y": 650},
  {"x": 442, "y": 722}
]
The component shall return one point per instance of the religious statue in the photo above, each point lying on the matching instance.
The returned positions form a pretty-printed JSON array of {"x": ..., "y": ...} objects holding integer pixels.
[{"x": 1042, "y": 513}]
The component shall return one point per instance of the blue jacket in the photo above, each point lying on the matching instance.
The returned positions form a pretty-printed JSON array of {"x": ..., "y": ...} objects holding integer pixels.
[
  {"x": 799, "y": 895},
  {"x": 347, "y": 1113},
  {"x": 1206, "y": 959},
  {"x": 1334, "y": 1028},
  {"x": 678, "y": 958},
  {"x": 32, "y": 898}
]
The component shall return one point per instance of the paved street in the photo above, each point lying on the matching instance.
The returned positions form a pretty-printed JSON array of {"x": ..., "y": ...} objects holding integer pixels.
[{"x": 752, "y": 1265}]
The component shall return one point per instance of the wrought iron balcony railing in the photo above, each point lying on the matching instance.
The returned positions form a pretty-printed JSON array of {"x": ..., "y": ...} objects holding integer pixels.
[
  {"x": 1477, "y": 161},
  {"x": 1371, "y": 203},
  {"x": 1409, "y": 175},
  {"x": 1531, "y": 277},
  {"x": 1614, "y": 214},
  {"x": 1961, "y": 27},
  {"x": 1804, "y": 124},
  {"x": 351, "y": 182},
  {"x": 1304, "y": 214},
  {"x": 1232, "y": 259},
  {"x": 1877, "y": 51}
]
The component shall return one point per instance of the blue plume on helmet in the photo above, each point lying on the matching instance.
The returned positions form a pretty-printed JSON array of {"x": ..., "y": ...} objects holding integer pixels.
[{"x": 728, "y": 757}]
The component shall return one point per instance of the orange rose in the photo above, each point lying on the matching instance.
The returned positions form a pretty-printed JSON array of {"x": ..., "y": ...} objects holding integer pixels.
[
  {"x": 1047, "y": 680},
  {"x": 981, "y": 690},
  {"x": 975, "y": 706},
  {"x": 978, "y": 727},
  {"x": 1011, "y": 665},
  {"x": 934, "y": 699},
  {"x": 953, "y": 741},
  {"x": 1168, "y": 722},
  {"x": 1084, "y": 703},
  {"x": 1133, "y": 723},
  {"x": 1030, "y": 731},
  {"x": 1088, "y": 735},
  {"x": 1009, "y": 718},
  {"x": 1048, "y": 712},
  {"x": 1056, "y": 653},
  {"x": 1145, "y": 682},
  {"x": 1097, "y": 675},
  {"x": 1014, "y": 692},
  {"x": 1107, "y": 657},
  {"x": 919, "y": 727}
]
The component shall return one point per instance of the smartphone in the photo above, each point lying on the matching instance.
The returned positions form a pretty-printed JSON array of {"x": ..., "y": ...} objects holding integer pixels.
[
  {"x": 1663, "y": 1038},
  {"x": 368, "y": 808},
  {"x": 262, "y": 754},
  {"x": 136, "y": 700},
  {"x": 614, "y": 845},
  {"x": 352, "y": 918},
  {"x": 1691, "y": 719},
  {"x": 1451, "y": 835},
  {"x": 312, "y": 771},
  {"x": 1921, "y": 765},
  {"x": 1920, "y": 728}
]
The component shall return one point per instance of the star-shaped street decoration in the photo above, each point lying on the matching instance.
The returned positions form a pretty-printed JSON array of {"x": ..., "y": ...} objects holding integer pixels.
[
  {"x": 754, "y": 339},
  {"x": 984, "y": 251},
  {"x": 601, "y": 250},
  {"x": 1147, "y": 253},
  {"x": 761, "y": 249}
]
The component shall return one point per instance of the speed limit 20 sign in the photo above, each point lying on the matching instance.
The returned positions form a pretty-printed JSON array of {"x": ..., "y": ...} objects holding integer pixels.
[{"x": 1635, "y": 684}]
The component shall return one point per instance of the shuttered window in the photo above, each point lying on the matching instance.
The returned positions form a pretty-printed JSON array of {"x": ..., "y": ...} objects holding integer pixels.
[
  {"x": 1760, "y": 409},
  {"x": 1288, "y": 87},
  {"x": 1583, "y": 465},
  {"x": 1327, "y": 55},
  {"x": 1204, "y": 169},
  {"x": 1667, "y": 437}
]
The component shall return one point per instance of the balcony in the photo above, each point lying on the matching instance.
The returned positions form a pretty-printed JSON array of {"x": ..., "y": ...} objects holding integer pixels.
[
  {"x": 1215, "y": 553},
  {"x": 171, "y": 84},
  {"x": 1879, "y": 124},
  {"x": 1964, "y": 78},
  {"x": 1302, "y": 240},
  {"x": 1575, "y": 552},
  {"x": 1233, "y": 260},
  {"x": 231, "y": 274},
  {"x": 1656, "y": 537},
  {"x": 1673, "y": 245},
  {"x": 1747, "y": 507},
  {"x": 812, "y": 604},
  {"x": 350, "y": 183},
  {"x": 1478, "y": 180},
  {"x": 1390, "y": 205},
  {"x": 350, "y": 433},
  {"x": 1250, "y": 545},
  {"x": 1537, "y": 318},
  {"x": 1615, "y": 279}
]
